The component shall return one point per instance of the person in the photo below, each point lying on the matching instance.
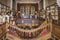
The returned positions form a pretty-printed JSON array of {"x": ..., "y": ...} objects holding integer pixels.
[
  {"x": 35, "y": 15},
  {"x": 30, "y": 15},
  {"x": 7, "y": 18},
  {"x": 4, "y": 17},
  {"x": 19, "y": 15},
  {"x": 49, "y": 18},
  {"x": 13, "y": 23}
]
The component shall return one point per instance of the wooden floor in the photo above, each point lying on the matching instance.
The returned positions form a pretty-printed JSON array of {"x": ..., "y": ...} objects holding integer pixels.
[{"x": 45, "y": 37}]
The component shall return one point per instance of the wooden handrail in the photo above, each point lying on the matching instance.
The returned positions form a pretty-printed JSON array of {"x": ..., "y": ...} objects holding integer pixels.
[
  {"x": 56, "y": 35},
  {"x": 56, "y": 25},
  {"x": 37, "y": 30},
  {"x": 43, "y": 25}
]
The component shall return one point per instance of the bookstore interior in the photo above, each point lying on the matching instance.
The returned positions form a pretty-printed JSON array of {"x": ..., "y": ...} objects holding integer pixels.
[{"x": 29, "y": 19}]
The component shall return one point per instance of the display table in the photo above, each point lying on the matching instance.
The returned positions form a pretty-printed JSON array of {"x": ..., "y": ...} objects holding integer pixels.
[{"x": 27, "y": 22}]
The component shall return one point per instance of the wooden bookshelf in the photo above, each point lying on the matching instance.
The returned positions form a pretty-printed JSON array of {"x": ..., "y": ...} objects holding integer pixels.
[{"x": 2, "y": 30}]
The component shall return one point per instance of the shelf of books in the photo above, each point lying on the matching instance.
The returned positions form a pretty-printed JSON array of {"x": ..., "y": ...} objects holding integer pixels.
[
  {"x": 54, "y": 11},
  {"x": 3, "y": 9}
]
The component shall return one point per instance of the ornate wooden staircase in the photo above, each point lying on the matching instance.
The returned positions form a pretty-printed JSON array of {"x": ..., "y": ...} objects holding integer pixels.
[{"x": 44, "y": 32}]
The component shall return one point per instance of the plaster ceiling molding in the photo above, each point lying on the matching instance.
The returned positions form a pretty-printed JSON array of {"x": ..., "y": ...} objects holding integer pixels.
[{"x": 27, "y": 1}]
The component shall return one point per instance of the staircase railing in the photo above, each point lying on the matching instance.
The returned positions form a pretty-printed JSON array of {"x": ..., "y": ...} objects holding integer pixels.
[{"x": 42, "y": 26}]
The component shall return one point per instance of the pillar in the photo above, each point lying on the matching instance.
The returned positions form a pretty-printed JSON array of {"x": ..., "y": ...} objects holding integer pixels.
[
  {"x": 44, "y": 4},
  {"x": 11, "y": 4},
  {"x": 58, "y": 2}
]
